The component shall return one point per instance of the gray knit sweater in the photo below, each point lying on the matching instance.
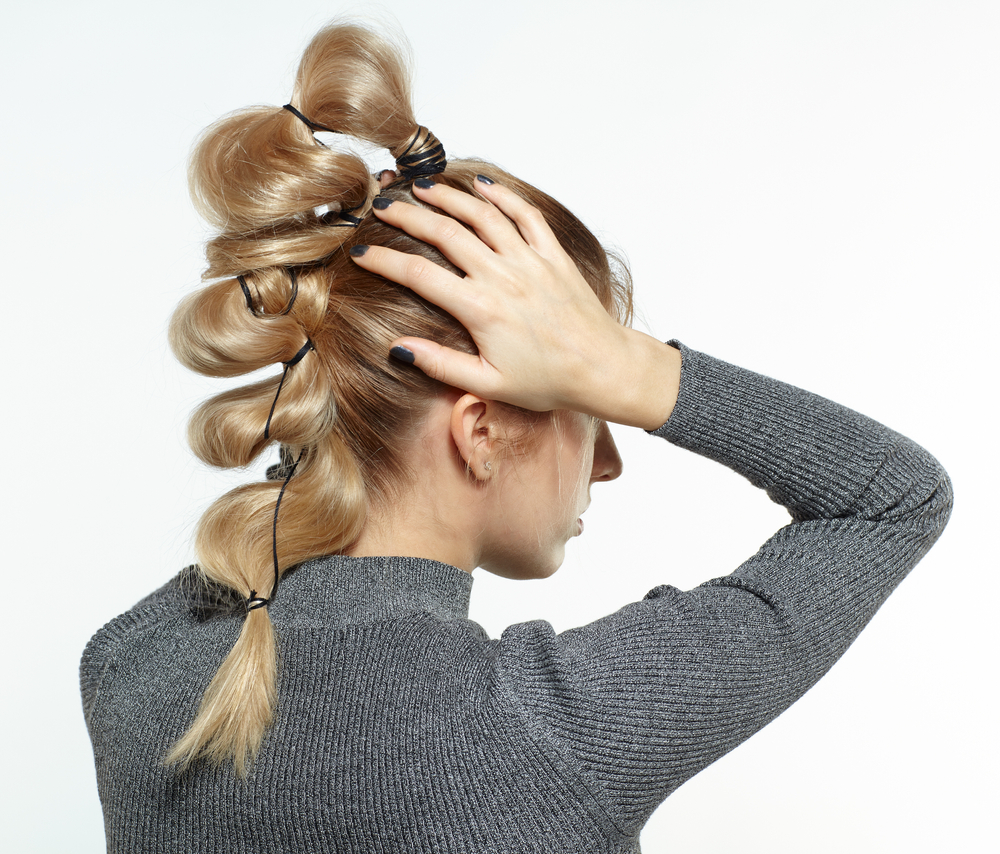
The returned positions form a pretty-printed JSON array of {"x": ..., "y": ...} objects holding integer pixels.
[{"x": 401, "y": 727}]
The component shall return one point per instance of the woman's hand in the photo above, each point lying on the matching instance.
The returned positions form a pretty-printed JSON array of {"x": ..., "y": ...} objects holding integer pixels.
[{"x": 545, "y": 341}]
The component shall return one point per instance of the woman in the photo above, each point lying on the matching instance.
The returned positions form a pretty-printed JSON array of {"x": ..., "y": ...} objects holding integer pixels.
[{"x": 454, "y": 342}]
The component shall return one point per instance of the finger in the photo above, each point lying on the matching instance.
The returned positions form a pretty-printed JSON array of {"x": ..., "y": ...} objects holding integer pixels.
[
  {"x": 493, "y": 231},
  {"x": 460, "y": 246},
  {"x": 425, "y": 278},
  {"x": 530, "y": 222},
  {"x": 461, "y": 370},
  {"x": 491, "y": 226}
]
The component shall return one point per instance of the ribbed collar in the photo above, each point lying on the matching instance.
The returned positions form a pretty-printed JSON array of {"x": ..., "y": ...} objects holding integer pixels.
[{"x": 339, "y": 590}]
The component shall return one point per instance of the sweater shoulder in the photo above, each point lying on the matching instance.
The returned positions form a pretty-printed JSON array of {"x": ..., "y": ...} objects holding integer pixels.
[{"x": 168, "y": 603}]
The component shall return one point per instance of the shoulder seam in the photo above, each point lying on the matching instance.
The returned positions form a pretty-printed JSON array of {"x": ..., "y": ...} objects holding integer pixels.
[{"x": 539, "y": 732}]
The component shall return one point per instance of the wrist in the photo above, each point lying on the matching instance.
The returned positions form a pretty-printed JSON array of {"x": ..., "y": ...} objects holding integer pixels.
[
  {"x": 638, "y": 382},
  {"x": 655, "y": 381}
]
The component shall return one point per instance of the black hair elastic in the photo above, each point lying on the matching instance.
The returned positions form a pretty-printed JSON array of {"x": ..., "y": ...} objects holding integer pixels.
[
  {"x": 295, "y": 290},
  {"x": 429, "y": 158},
  {"x": 249, "y": 299},
  {"x": 349, "y": 220},
  {"x": 291, "y": 363},
  {"x": 254, "y": 601},
  {"x": 246, "y": 293}
]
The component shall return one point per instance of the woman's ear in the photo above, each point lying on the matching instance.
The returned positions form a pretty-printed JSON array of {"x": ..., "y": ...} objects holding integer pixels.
[{"x": 475, "y": 430}]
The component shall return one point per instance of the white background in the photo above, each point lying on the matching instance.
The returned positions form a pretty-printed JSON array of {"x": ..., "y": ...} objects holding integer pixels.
[{"x": 811, "y": 189}]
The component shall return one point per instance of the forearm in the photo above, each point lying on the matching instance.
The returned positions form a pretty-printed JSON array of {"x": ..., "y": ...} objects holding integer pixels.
[
  {"x": 817, "y": 458},
  {"x": 866, "y": 505}
]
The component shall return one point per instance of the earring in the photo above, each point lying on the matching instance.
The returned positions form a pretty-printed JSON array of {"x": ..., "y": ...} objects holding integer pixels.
[{"x": 488, "y": 466}]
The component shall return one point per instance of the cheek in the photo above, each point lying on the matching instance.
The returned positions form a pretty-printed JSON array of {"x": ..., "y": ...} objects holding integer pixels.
[
  {"x": 579, "y": 482},
  {"x": 570, "y": 494},
  {"x": 544, "y": 493},
  {"x": 579, "y": 462}
]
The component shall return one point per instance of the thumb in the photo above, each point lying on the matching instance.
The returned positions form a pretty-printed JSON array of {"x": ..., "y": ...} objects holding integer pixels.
[{"x": 461, "y": 370}]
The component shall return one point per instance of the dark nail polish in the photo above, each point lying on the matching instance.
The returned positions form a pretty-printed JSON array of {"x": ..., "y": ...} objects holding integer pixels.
[
  {"x": 484, "y": 179},
  {"x": 402, "y": 354},
  {"x": 424, "y": 183},
  {"x": 358, "y": 251},
  {"x": 381, "y": 203}
]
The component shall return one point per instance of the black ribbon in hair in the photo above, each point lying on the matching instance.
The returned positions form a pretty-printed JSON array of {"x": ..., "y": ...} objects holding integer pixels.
[
  {"x": 313, "y": 126},
  {"x": 253, "y": 600},
  {"x": 291, "y": 363},
  {"x": 330, "y": 217}
]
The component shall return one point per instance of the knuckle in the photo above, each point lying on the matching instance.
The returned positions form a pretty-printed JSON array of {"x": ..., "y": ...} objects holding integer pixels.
[
  {"x": 480, "y": 306},
  {"x": 434, "y": 368},
  {"x": 532, "y": 216},
  {"x": 416, "y": 270},
  {"x": 491, "y": 217},
  {"x": 449, "y": 231}
]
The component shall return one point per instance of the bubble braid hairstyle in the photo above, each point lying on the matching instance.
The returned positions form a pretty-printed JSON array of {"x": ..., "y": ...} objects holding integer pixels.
[{"x": 346, "y": 407}]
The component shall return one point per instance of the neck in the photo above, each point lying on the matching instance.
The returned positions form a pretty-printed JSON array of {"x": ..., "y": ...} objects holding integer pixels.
[
  {"x": 441, "y": 511},
  {"x": 418, "y": 526}
]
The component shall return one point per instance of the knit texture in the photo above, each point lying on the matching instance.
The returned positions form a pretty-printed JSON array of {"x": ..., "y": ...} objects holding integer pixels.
[{"x": 401, "y": 727}]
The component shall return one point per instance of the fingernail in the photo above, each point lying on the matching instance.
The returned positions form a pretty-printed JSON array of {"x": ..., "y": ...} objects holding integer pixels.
[
  {"x": 424, "y": 183},
  {"x": 484, "y": 179},
  {"x": 402, "y": 354},
  {"x": 358, "y": 251},
  {"x": 381, "y": 203}
]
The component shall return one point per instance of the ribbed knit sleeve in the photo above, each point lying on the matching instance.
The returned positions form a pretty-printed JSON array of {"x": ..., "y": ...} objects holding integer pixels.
[{"x": 643, "y": 699}]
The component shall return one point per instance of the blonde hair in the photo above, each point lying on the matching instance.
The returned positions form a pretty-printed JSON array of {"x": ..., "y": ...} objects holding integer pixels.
[{"x": 346, "y": 407}]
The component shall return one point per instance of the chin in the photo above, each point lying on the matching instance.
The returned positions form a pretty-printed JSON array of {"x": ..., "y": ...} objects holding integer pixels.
[{"x": 525, "y": 567}]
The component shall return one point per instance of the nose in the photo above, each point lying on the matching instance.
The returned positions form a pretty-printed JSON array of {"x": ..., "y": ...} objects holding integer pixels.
[{"x": 607, "y": 460}]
